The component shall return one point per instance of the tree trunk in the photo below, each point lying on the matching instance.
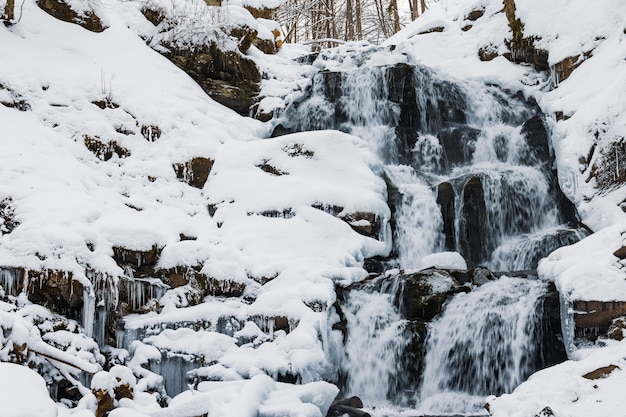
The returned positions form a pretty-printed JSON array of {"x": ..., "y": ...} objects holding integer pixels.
[
  {"x": 396, "y": 15},
  {"x": 414, "y": 6},
  {"x": 349, "y": 34},
  {"x": 9, "y": 13},
  {"x": 359, "y": 25}
]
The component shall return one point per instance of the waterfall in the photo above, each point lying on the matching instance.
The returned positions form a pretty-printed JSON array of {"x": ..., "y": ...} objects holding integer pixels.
[
  {"x": 469, "y": 170},
  {"x": 418, "y": 219},
  {"x": 485, "y": 342},
  {"x": 374, "y": 346}
]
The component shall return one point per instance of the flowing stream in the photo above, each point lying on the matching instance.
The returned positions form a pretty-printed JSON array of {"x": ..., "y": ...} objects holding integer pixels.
[{"x": 469, "y": 170}]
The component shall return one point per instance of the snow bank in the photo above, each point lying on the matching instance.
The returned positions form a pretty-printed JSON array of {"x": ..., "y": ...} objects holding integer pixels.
[{"x": 23, "y": 393}]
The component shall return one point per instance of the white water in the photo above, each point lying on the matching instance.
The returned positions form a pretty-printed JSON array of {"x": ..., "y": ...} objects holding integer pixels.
[
  {"x": 483, "y": 343},
  {"x": 418, "y": 218},
  {"x": 375, "y": 343}
]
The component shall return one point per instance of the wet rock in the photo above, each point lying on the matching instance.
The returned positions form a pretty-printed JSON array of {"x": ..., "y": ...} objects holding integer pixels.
[
  {"x": 445, "y": 200},
  {"x": 332, "y": 84},
  {"x": 418, "y": 300},
  {"x": 552, "y": 348},
  {"x": 194, "y": 172},
  {"x": 534, "y": 130},
  {"x": 458, "y": 143},
  {"x": 347, "y": 406},
  {"x": 374, "y": 265},
  {"x": 473, "y": 218},
  {"x": 63, "y": 11}
]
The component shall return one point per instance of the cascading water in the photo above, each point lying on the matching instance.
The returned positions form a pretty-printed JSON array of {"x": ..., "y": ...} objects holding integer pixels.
[
  {"x": 484, "y": 343},
  {"x": 373, "y": 350},
  {"x": 468, "y": 168}
]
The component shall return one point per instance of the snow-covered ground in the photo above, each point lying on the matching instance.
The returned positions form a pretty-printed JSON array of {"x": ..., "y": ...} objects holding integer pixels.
[{"x": 73, "y": 208}]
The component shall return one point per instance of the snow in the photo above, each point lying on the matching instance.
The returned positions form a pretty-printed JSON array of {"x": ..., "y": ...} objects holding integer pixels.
[
  {"x": 445, "y": 260},
  {"x": 65, "y": 198},
  {"x": 23, "y": 393}
]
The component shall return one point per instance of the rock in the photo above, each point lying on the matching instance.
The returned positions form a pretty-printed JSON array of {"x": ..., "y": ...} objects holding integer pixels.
[
  {"x": 445, "y": 200},
  {"x": 545, "y": 412},
  {"x": 194, "y": 172},
  {"x": 245, "y": 36},
  {"x": 227, "y": 76},
  {"x": 620, "y": 253},
  {"x": 536, "y": 135},
  {"x": 105, "y": 150},
  {"x": 563, "y": 69},
  {"x": 473, "y": 218},
  {"x": 56, "y": 290},
  {"x": 374, "y": 265},
  {"x": 142, "y": 262},
  {"x": 617, "y": 329},
  {"x": 475, "y": 15},
  {"x": 608, "y": 169},
  {"x": 63, "y": 11},
  {"x": 522, "y": 49},
  {"x": 593, "y": 318},
  {"x": 487, "y": 53},
  {"x": 8, "y": 222},
  {"x": 601, "y": 372},
  {"x": 150, "y": 132},
  {"x": 418, "y": 298}
]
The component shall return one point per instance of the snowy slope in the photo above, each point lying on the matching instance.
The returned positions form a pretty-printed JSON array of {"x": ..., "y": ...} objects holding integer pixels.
[{"x": 70, "y": 208}]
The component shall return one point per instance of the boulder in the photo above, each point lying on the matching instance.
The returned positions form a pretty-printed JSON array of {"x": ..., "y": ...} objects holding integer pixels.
[{"x": 63, "y": 11}]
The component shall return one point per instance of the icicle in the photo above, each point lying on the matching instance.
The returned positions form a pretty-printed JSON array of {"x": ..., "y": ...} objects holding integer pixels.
[{"x": 89, "y": 311}]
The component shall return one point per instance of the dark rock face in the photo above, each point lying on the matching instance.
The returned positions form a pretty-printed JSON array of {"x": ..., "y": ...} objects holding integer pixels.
[
  {"x": 445, "y": 200},
  {"x": 552, "y": 348},
  {"x": 594, "y": 318},
  {"x": 473, "y": 217},
  {"x": 62, "y": 11},
  {"x": 56, "y": 290},
  {"x": 228, "y": 77},
  {"x": 522, "y": 48},
  {"x": 105, "y": 150},
  {"x": 194, "y": 172},
  {"x": 142, "y": 262}
]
